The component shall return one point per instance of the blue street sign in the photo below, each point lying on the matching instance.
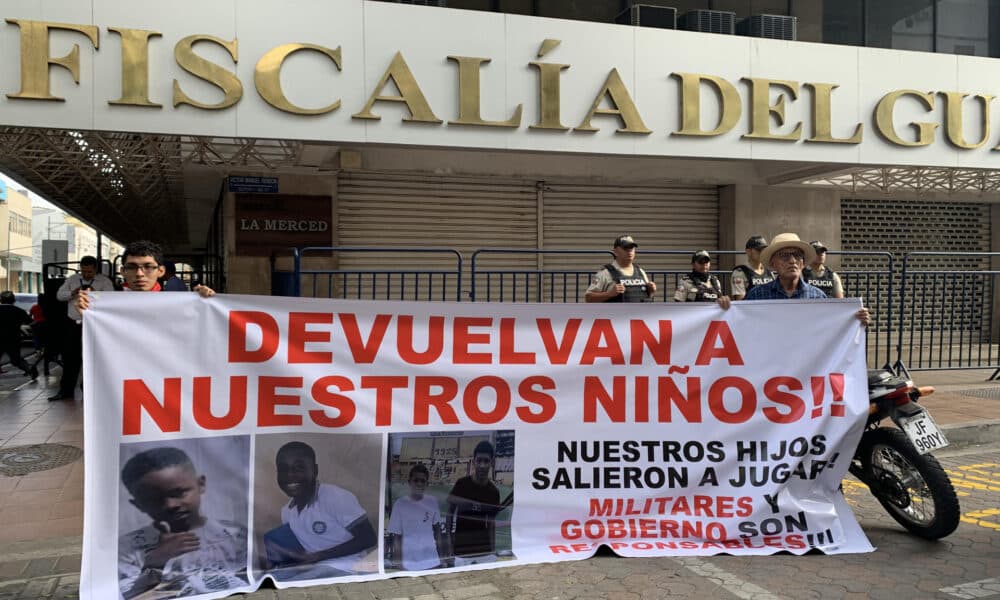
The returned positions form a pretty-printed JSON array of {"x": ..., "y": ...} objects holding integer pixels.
[{"x": 253, "y": 185}]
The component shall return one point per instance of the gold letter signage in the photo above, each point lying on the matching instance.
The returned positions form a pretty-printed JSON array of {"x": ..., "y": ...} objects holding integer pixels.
[
  {"x": 35, "y": 58},
  {"x": 267, "y": 77},
  {"x": 772, "y": 107}
]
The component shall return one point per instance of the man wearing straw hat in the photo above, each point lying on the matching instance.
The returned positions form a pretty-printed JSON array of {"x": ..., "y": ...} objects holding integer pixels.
[{"x": 786, "y": 256}]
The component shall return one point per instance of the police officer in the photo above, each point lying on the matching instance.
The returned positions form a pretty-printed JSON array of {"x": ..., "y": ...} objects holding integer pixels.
[
  {"x": 816, "y": 274},
  {"x": 699, "y": 285},
  {"x": 754, "y": 273},
  {"x": 621, "y": 280}
]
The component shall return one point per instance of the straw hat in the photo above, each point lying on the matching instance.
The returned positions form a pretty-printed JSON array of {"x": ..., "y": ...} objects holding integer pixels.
[{"x": 787, "y": 240}]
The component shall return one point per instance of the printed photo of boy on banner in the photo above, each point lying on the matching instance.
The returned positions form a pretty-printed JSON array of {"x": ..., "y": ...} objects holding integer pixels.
[
  {"x": 186, "y": 532},
  {"x": 315, "y": 502},
  {"x": 449, "y": 499}
]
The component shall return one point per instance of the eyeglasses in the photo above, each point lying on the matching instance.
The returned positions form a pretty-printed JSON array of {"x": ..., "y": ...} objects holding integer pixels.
[
  {"x": 703, "y": 261},
  {"x": 790, "y": 256},
  {"x": 132, "y": 268}
]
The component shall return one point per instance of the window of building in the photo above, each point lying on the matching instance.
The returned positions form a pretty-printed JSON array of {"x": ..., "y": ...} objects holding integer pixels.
[
  {"x": 844, "y": 22},
  {"x": 963, "y": 27},
  {"x": 951, "y": 26},
  {"x": 900, "y": 24},
  {"x": 745, "y": 8}
]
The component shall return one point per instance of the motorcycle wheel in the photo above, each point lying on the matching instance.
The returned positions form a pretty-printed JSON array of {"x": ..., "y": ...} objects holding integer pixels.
[{"x": 912, "y": 487}]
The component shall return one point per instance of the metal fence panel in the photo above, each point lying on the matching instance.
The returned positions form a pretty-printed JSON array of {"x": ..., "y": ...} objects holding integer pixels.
[
  {"x": 871, "y": 276},
  {"x": 924, "y": 318},
  {"x": 315, "y": 273},
  {"x": 516, "y": 275},
  {"x": 946, "y": 315}
]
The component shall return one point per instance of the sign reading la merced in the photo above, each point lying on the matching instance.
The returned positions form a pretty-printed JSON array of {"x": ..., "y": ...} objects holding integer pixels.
[{"x": 354, "y": 71}]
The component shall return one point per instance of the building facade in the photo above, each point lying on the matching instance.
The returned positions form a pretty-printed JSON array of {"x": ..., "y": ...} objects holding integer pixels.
[
  {"x": 515, "y": 124},
  {"x": 15, "y": 220}
]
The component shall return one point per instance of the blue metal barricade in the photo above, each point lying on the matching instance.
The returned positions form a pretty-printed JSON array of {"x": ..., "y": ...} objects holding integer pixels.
[
  {"x": 533, "y": 275},
  {"x": 924, "y": 318},
  {"x": 319, "y": 272}
]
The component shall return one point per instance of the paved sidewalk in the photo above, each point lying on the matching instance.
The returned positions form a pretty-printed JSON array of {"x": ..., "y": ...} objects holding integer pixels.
[{"x": 41, "y": 512}]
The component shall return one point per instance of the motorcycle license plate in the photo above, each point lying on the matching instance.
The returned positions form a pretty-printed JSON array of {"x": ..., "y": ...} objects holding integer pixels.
[{"x": 923, "y": 432}]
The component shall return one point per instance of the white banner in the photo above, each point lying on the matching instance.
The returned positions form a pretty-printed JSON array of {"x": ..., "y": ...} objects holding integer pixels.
[{"x": 314, "y": 441}]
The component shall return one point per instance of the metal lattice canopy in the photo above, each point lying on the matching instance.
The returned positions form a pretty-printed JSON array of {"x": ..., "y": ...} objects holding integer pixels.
[
  {"x": 132, "y": 185},
  {"x": 165, "y": 187},
  {"x": 918, "y": 180}
]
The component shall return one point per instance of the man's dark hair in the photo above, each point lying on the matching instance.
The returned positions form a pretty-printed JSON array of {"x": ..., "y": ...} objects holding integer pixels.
[
  {"x": 483, "y": 447},
  {"x": 7, "y": 297},
  {"x": 169, "y": 268},
  {"x": 88, "y": 261},
  {"x": 143, "y": 248},
  {"x": 298, "y": 448},
  {"x": 419, "y": 468},
  {"x": 153, "y": 460}
]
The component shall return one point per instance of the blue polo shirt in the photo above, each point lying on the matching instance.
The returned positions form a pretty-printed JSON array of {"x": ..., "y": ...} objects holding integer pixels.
[{"x": 773, "y": 291}]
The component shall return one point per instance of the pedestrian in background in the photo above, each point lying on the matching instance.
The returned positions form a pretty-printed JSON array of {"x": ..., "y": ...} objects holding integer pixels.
[
  {"x": 171, "y": 282},
  {"x": 11, "y": 319},
  {"x": 72, "y": 348}
]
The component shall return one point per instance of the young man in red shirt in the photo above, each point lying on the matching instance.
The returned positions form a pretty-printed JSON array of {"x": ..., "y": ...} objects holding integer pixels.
[{"x": 142, "y": 266}]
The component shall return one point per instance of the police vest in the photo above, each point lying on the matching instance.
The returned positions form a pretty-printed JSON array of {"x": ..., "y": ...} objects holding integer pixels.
[
  {"x": 753, "y": 278},
  {"x": 708, "y": 290},
  {"x": 635, "y": 284},
  {"x": 823, "y": 282}
]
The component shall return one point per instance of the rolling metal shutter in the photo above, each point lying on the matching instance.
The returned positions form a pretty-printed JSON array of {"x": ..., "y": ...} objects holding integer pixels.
[
  {"x": 420, "y": 211},
  {"x": 470, "y": 213},
  {"x": 659, "y": 217}
]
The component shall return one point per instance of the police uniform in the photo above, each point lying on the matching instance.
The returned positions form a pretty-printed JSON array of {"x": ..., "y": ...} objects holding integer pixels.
[
  {"x": 745, "y": 279},
  {"x": 826, "y": 280},
  {"x": 636, "y": 288},
  {"x": 698, "y": 287}
]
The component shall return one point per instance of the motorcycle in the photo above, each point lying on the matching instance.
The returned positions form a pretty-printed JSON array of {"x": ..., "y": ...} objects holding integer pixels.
[{"x": 896, "y": 464}]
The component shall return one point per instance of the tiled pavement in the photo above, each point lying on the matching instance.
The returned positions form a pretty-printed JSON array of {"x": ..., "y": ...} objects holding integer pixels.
[{"x": 41, "y": 513}]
